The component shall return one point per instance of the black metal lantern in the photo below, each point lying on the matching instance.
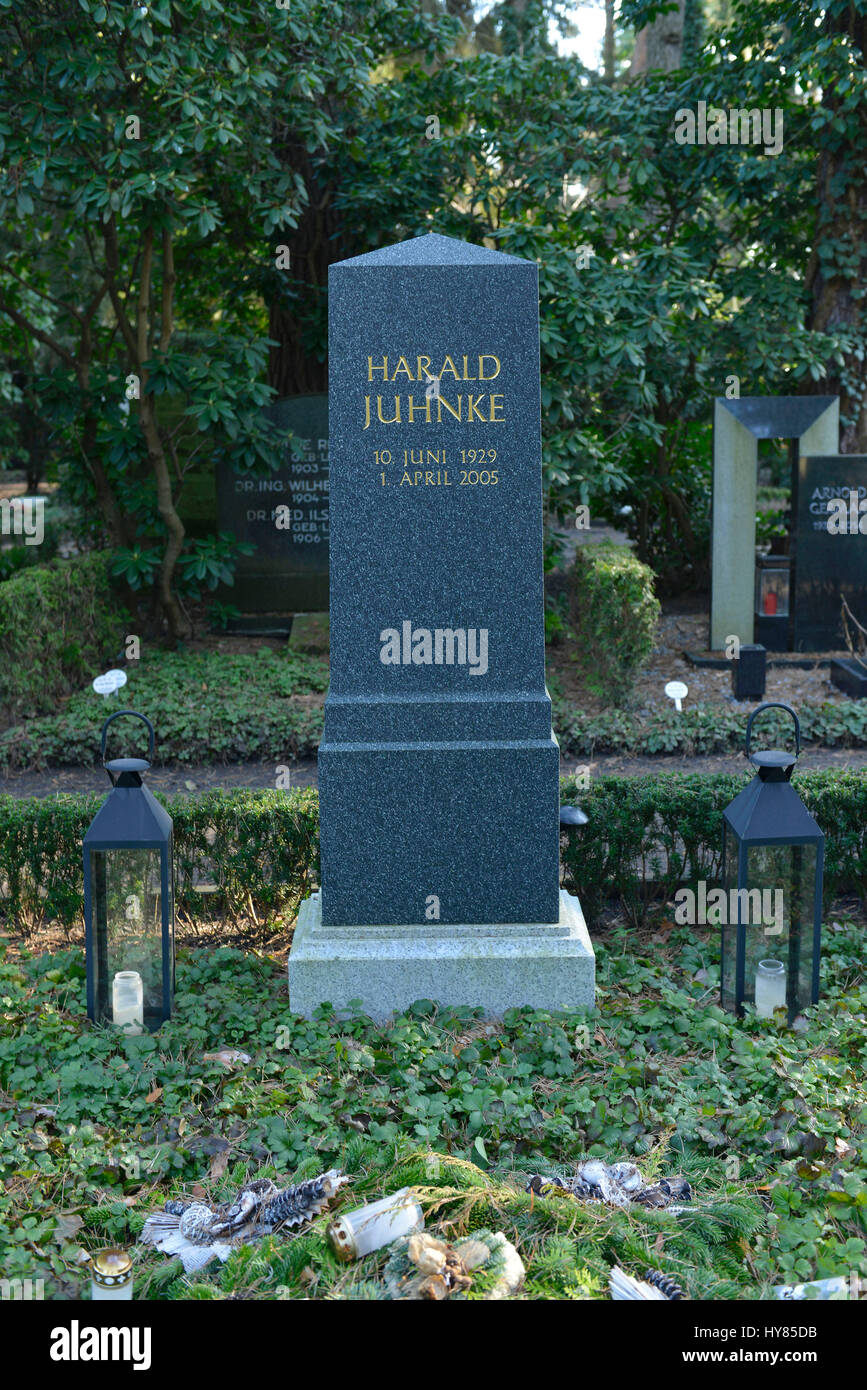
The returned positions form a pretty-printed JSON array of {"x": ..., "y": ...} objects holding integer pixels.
[
  {"x": 773, "y": 854},
  {"x": 129, "y": 899}
]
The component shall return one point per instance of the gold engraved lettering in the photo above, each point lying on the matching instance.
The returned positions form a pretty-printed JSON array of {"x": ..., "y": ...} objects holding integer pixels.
[
  {"x": 395, "y": 420},
  {"x": 488, "y": 357},
  {"x": 474, "y": 407},
  {"x": 402, "y": 366},
  {"x": 496, "y": 419},
  {"x": 371, "y": 369},
  {"x": 441, "y": 401},
  {"x": 467, "y": 376},
  {"x": 425, "y": 405},
  {"x": 449, "y": 366}
]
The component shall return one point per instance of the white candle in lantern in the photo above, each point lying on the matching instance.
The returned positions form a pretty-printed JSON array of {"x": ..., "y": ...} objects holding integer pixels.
[
  {"x": 127, "y": 1000},
  {"x": 770, "y": 987}
]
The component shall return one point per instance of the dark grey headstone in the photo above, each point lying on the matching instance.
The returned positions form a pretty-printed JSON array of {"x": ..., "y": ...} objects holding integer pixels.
[
  {"x": 289, "y": 570},
  {"x": 827, "y": 567},
  {"x": 438, "y": 781}
]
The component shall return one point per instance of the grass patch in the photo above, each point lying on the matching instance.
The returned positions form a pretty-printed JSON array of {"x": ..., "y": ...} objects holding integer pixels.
[{"x": 208, "y": 706}]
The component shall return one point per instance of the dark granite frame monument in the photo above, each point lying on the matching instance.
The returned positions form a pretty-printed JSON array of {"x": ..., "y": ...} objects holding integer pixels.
[{"x": 812, "y": 423}]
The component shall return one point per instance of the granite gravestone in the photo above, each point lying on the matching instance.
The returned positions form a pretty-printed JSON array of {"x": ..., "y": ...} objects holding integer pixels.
[
  {"x": 284, "y": 515},
  {"x": 438, "y": 769},
  {"x": 828, "y": 564}
]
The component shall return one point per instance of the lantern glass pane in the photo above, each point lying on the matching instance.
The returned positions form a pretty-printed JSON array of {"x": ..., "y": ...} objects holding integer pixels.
[
  {"x": 781, "y": 882},
  {"x": 128, "y": 927},
  {"x": 772, "y": 590},
  {"x": 730, "y": 932}
]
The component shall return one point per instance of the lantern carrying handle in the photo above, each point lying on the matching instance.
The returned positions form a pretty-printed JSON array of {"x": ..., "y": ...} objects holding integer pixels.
[
  {"x": 135, "y": 714},
  {"x": 775, "y": 704}
]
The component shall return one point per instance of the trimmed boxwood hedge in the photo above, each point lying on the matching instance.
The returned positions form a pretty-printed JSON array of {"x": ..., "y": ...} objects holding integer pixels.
[
  {"x": 648, "y": 834},
  {"x": 645, "y": 835},
  {"x": 613, "y": 617}
]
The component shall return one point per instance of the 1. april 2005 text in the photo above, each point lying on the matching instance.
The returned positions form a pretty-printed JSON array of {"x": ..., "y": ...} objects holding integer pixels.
[{"x": 420, "y": 477}]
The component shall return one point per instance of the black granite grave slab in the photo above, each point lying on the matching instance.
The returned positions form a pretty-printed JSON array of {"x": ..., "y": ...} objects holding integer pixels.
[
  {"x": 850, "y": 677},
  {"x": 438, "y": 768},
  {"x": 288, "y": 572},
  {"x": 826, "y": 566}
]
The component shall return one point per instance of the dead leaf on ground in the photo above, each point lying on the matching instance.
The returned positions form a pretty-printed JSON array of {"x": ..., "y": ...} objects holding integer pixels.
[
  {"x": 229, "y": 1056},
  {"x": 153, "y": 1096},
  {"x": 66, "y": 1224},
  {"x": 219, "y": 1164}
]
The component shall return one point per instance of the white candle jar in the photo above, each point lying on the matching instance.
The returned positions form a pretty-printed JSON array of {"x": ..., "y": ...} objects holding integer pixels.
[
  {"x": 770, "y": 987},
  {"x": 127, "y": 1001},
  {"x": 357, "y": 1233}
]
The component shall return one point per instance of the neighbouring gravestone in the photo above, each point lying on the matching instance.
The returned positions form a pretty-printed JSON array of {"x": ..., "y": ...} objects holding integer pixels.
[
  {"x": 828, "y": 562},
  {"x": 438, "y": 769},
  {"x": 812, "y": 423},
  {"x": 284, "y": 515}
]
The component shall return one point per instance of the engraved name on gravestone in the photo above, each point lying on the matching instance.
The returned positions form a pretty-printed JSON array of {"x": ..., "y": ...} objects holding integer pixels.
[
  {"x": 285, "y": 515},
  {"x": 438, "y": 770}
]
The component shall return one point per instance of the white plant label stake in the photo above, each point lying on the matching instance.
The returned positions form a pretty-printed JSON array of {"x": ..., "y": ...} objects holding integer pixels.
[
  {"x": 677, "y": 691},
  {"x": 110, "y": 682}
]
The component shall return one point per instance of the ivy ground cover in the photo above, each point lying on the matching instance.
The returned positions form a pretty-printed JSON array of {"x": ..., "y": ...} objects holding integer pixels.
[{"x": 767, "y": 1121}]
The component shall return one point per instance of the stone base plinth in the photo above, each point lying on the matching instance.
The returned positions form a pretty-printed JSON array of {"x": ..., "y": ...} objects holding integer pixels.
[{"x": 497, "y": 967}]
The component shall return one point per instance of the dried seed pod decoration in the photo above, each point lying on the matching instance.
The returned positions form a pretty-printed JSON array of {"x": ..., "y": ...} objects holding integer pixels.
[
  {"x": 199, "y": 1232},
  {"x": 664, "y": 1283},
  {"x": 295, "y": 1205},
  {"x": 452, "y": 1267},
  {"x": 428, "y": 1253}
]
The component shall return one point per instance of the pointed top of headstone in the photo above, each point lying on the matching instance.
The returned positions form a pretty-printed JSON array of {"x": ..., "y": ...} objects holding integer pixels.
[{"x": 433, "y": 249}]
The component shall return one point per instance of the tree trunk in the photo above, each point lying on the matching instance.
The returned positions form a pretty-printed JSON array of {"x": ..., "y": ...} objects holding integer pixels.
[
  {"x": 179, "y": 623},
  {"x": 660, "y": 45},
  {"x": 608, "y": 43},
  {"x": 122, "y": 528},
  {"x": 297, "y": 296},
  {"x": 836, "y": 278}
]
